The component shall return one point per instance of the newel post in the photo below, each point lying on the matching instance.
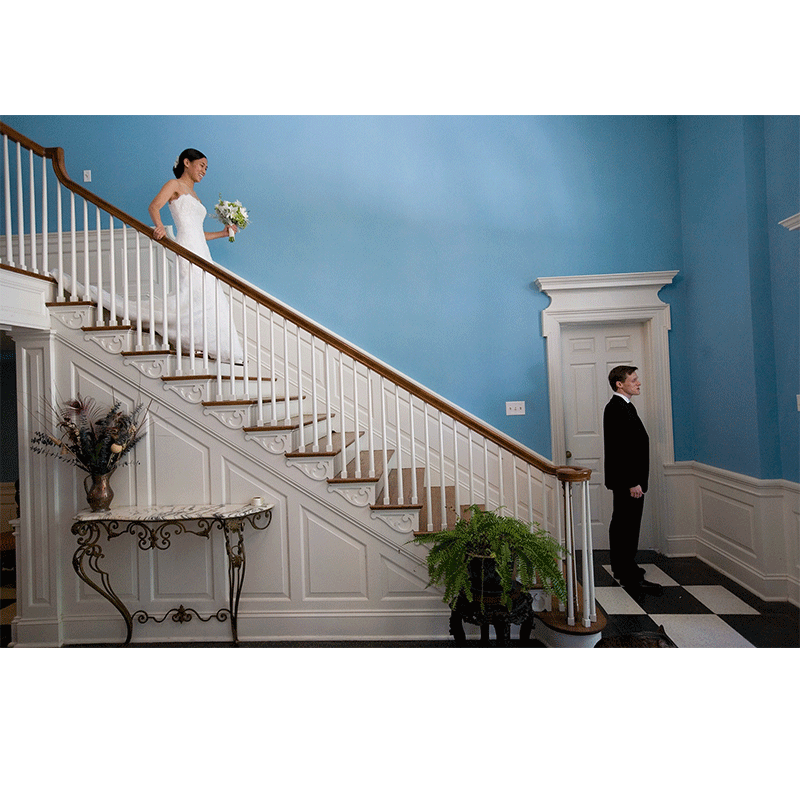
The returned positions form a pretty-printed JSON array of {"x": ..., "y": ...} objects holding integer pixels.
[{"x": 579, "y": 476}]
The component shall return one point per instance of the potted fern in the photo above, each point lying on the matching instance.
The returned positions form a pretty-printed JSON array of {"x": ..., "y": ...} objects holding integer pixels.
[{"x": 487, "y": 554}]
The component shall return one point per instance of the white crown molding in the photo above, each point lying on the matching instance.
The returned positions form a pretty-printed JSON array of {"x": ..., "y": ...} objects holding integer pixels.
[{"x": 792, "y": 223}]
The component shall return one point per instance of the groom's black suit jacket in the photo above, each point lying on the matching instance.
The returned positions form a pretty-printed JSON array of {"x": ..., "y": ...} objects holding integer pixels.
[{"x": 626, "y": 446}]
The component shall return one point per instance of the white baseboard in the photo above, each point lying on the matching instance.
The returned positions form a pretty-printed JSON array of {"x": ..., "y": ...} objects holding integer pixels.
[{"x": 747, "y": 529}]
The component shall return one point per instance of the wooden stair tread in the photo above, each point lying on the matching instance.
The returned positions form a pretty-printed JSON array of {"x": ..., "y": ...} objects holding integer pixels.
[
  {"x": 336, "y": 446},
  {"x": 294, "y": 422},
  {"x": 167, "y": 378}
]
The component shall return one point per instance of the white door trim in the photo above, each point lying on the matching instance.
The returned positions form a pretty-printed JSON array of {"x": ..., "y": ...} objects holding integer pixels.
[{"x": 616, "y": 298}]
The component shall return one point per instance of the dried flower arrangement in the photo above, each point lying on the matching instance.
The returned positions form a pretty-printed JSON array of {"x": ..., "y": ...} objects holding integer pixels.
[{"x": 92, "y": 439}]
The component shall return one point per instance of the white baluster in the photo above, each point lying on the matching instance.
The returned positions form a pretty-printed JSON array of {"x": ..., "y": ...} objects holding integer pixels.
[
  {"x": 456, "y": 470},
  {"x": 7, "y": 203},
  {"x": 179, "y": 321},
  {"x": 245, "y": 365},
  {"x": 165, "y": 297},
  {"x": 60, "y": 235},
  {"x": 300, "y": 388},
  {"x": 86, "y": 273},
  {"x": 259, "y": 384},
  {"x": 428, "y": 468},
  {"x": 152, "y": 297},
  {"x": 112, "y": 267},
  {"x": 356, "y": 421},
  {"x": 286, "y": 388},
  {"x": 569, "y": 544},
  {"x": 486, "y": 473},
  {"x": 205, "y": 283},
  {"x": 329, "y": 400},
  {"x": 471, "y": 468},
  {"x": 32, "y": 199},
  {"x": 126, "y": 320},
  {"x": 342, "y": 409},
  {"x": 218, "y": 332},
  {"x": 314, "y": 398},
  {"x": 137, "y": 244},
  {"x": 191, "y": 278},
  {"x": 20, "y": 213},
  {"x": 231, "y": 339},
  {"x": 500, "y": 481},
  {"x": 45, "y": 232},
  {"x": 100, "y": 314},
  {"x": 443, "y": 480},
  {"x": 412, "y": 437},
  {"x": 273, "y": 370},
  {"x": 401, "y": 494},
  {"x": 385, "y": 441},
  {"x": 370, "y": 426},
  {"x": 588, "y": 556}
]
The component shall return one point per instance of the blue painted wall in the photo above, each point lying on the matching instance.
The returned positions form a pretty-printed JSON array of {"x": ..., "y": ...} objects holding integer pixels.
[{"x": 419, "y": 238}]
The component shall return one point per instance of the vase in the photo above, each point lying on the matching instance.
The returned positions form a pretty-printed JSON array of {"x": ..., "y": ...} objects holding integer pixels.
[{"x": 100, "y": 494}]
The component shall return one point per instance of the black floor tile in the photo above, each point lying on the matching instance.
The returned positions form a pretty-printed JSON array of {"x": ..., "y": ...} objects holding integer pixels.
[
  {"x": 624, "y": 624},
  {"x": 765, "y": 630}
]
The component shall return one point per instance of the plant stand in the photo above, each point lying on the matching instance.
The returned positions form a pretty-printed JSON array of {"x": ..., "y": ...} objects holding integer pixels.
[{"x": 493, "y": 613}]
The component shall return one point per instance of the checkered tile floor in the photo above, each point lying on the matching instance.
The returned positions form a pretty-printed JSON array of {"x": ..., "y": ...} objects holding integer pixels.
[{"x": 699, "y": 607}]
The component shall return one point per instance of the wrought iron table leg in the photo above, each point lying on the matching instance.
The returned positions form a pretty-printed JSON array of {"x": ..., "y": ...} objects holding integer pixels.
[
  {"x": 89, "y": 549},
  {"x": 236, "y": 565}
]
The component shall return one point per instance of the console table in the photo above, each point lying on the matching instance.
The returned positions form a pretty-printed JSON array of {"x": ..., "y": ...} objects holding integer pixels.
[{"x": 155, "y": 526}]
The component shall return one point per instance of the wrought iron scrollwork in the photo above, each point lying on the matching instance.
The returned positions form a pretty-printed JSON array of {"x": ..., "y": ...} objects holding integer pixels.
[{"x": 182, "y": 614}]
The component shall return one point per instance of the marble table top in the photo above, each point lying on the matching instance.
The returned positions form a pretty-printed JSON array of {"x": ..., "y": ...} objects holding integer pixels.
[{"x": 165, "y": 513}]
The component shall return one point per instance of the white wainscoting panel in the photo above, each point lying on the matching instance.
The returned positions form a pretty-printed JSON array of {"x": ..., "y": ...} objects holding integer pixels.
[{"x": 746, "y": 528}]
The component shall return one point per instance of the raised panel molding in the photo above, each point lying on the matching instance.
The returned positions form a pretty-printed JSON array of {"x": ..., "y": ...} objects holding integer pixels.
[
  {"x": 335, "y": 564},
  {"x": 746, "y": 528}
]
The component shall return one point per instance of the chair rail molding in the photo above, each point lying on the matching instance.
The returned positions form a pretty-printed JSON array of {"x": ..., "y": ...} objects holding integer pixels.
[{"x": 613, "y": 299}]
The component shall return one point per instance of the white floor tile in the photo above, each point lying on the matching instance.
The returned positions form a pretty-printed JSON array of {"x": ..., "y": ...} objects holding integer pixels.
[
  {"x": 699, "y": 630},
  {"x": 615, "y": 600},
  {"x": 652, "y": 573},
  {"x": 720, "y": 600}
]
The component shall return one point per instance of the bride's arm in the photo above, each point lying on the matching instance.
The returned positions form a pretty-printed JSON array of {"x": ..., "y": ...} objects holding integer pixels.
[
  {"x": 167, "y": 192},
  {"x": 226, "y": 231}
]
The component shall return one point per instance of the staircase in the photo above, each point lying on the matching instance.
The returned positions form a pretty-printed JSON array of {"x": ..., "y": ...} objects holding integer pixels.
[{"x": 318, "y": 415}]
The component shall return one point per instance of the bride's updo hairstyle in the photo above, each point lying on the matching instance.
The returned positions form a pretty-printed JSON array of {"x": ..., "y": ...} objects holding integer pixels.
[{"x": 189, "y": 153}]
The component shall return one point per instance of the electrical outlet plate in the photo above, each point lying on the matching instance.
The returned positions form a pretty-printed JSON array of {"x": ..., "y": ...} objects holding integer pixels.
[
  {"x": 515, "y": 408},
  {"x": 87, "y": 176}
]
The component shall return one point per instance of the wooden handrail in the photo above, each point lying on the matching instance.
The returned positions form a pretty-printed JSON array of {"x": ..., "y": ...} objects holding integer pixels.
[{"x": 56, "y": 155}]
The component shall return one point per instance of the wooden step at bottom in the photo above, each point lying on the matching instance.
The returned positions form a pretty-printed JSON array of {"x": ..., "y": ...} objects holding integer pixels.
[{"x": 557, "y": 620}]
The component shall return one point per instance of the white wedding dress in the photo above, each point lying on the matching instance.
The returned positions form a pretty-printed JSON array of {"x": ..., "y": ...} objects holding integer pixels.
[{"x": 196, "y": 300}]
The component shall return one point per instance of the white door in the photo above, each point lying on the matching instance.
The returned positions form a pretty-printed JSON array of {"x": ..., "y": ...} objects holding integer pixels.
[{"x": 588, "y": 354}]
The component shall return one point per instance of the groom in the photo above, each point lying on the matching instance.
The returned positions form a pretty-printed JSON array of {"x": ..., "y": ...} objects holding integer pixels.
[{"x": 627, "y": 460}]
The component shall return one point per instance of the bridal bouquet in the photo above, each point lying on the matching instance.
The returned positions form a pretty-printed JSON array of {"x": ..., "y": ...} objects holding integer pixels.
[{"x": 231, "y": 213}]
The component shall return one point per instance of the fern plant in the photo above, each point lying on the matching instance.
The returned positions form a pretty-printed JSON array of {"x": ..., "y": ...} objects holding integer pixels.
[{"x": 521, "y": 552}]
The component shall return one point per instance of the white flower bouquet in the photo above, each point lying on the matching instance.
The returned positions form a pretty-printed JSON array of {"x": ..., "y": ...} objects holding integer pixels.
[{"x": 231, "y": 213}]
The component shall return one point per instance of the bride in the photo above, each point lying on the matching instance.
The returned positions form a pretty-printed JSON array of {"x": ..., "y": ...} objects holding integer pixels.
[{"x": 188, "y": 213}]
